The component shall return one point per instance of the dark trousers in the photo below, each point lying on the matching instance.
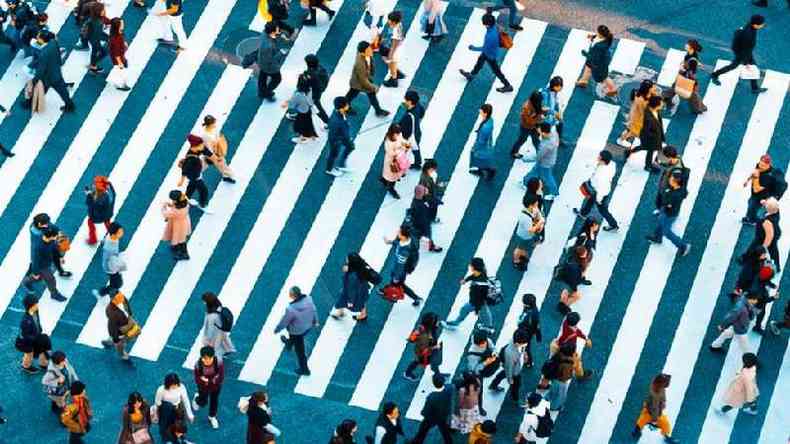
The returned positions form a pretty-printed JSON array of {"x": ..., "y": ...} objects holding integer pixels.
[
  {"x": 46, "y": 276},
  {"x": 515, "y": 387},
  {"x": 734, "y": 64},
  {"x": 334, "y": 152},
  {"x": 753, "y": 207},
  {"x": 318, "y": 5},
  {"x": 199, "y": 186},
  {"x": 267, "y": 83},
  {"x": 284, "y": 26},
  {"x": 317, "y": 102},
  {"x": 374, "y": 101},
  {"x": 603, "y": 209},
  {"x": 97, "y": 53},
  {"x": 115, "y": 283},
  {"x": 212, "y": 398},
  {"x": 297, "y": 342},
  {"x": 76, "y": 438},
  {"x": 427, "y": 425},
  {"x": 416, "y": 363},
  {"x": 63, "y": 91},
  {"x": 523, "y": 134},
  {"x": 510, "y": 5},
  {"x": 494, "y": 67},
  {"x": 649, "y": 155}
]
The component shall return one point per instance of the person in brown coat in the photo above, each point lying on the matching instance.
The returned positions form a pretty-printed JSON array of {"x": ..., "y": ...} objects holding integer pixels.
[
  {"x": 362, "y": 79},
  {"x": 120, "y": 325},
  {"x": 136, "y": 419},
  {"x": 652, "y": 134},
  {"x": 178, "y": 225},
  {"x": 483, "y": 433},
  {"x": 531, "y": 116},
  {"x": 653, "y": 409},
  {"x": 76, "y": 417}
]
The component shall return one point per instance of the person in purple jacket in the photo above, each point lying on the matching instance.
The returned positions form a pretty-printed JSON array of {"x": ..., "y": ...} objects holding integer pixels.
[
  {"x": 489, "y": 53},
  {"x": 299, "y": 318}
]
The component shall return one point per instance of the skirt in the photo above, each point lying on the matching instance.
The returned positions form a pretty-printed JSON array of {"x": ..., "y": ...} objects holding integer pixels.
[
  {"x": 465, "y": 420},
  {"x": 303, "y": 124}
]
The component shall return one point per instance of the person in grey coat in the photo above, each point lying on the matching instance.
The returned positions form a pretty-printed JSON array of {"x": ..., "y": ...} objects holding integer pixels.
[
  {"x": 48, "y": 66},
  {"x": 545, "y": 160},
  {"x": 213, "y": 335},
  {"x": 512, "y": 364},
  {"x": 736, "y": 323},
  {"x": 270, "y": 59},
  {"x": 57, "y": 381},
  {"x": 111, "y": 261},
  {"x": 299, "y": 318}
]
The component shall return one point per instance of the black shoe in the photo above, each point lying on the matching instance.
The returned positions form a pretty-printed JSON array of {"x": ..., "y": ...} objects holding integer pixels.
[
  {"x": 670, "y": 440},
  {"x": 270, "y": 99},
  {"x": 64, "y": 274},
  {"x": 287, "y": 342},
  {"x": 32, "y": 370},
  {"x": 5, "y": 152},
  {"x": 391, "y": 83},
  {"x": 303, "y": 371},
  {"x": 382, "y": 113},
  {"x": 653, "y": 239},
  {"x": 410, "y": 377},
  {"x": 586, "y": 282},
  {"x": 563, "y": 308},
  {"x": 426, "y": 37},
  {"x": 67, "y": 108},
  {"x": 331, "y": 14},
  {"x": 401, "y": 75},
  {"x": 715, "y": 80},
  {"x": 393, "y": 193},
  {"x": 58, "y": 297},
  {"x": 685, "y": 250},
  {"x": 466, "y": 74},
  {"x": 760, "y": 4},
  {"x": 416, "y": 302},
  {"x": 229, "y": 180},
  {"x": 97, "y": 70},
  {"x": 610, "y": 229},
  {"x": 309, "y": 23},
  {"x": 716, "y": 349},
  {"x": 516, "y": 28},
  {"x": 759, "y": 90},
  {"x": 124, "y": 88},
  {"x": 505, "y": 89},
  {"x": 759, "y": 330}
]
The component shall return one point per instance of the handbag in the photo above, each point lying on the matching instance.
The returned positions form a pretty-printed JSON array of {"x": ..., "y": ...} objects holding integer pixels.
[
  {"x": 141, "y": 436},
  {"x": 404, "y": 160},
  {"x": 132, "y": 329},
  {"x": 505, "y": 41},
  {"x": 64, "y": 243},
  {"x": 684, "y": 86}
]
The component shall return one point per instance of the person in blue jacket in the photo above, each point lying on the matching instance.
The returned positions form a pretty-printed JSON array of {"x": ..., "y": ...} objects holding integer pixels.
[
  {"x": 489, "y": 53},
  {"x": 339, "y": 135},
  {"x": 482, "y": 153}
]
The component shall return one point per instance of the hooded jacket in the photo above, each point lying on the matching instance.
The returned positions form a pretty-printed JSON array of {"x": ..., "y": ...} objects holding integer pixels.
[{"x": 299, "y": 317}]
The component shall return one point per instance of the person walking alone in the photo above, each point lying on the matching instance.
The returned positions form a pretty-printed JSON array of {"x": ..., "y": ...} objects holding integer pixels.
[
  {"x": 762, "y": 183},
  {"x": 32, "y": 342},
  {"x": 101, "y": 206},
  {"x": 742, "y": 392},
  {"x": 482, "y": 153},
  {"x": 44, "y": 256},
  {"x": 192, "y": 166},
  {"x": 436, "y": 412},
  {"x": 271, "y": 56},
  {"x": 178, "y": 225},
  {"x": 118, "y": 47},
  {"x": 512, "y": 357},
  {"x": 76, "y": 417},
  {"x": 362, "y": 80},
  {"x": 120, "y": 325},
  {"x": 96, "y": 37},
  {"x": 410, "y": 125},
  {"x": 546, "y": 159},
  {"x": 357, "y": 279},
  {"x": 209, "y": 375},
  {"x": 653, "y": 410},
  {"x": 768, "y": 231},
  {"x": 300, "y": 317},
  {"x": 670, "y": 200},
  {"x": 743, "y": 43},
  {"x": 388, "y": 426},
  {"x": 736, "y": 324},
  {"x": 532, "y": 113},
  {"x": 478, "y": 296},
  {"x": 599, "y": 57},
  {"x": 407, "y": 255},
  {"x": 216, "y": 326},
  {"x": 112, "y": 262},
  {"x": 598, "y": 189},
  {"x": 339, "y": 136},
  {"x": 172, "y": 22},
  {"x": 48, "y": 68},
  {"x": 489, "y": 53}
]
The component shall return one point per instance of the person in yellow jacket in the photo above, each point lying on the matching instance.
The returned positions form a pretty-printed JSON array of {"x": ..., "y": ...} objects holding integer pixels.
[
  {"x": 76, "y": 417},
  {"x": 483, "y": 433}
]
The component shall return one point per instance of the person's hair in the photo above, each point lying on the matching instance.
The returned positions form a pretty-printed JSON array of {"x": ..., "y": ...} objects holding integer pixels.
[
  {"x": 545, "y": 127},
  {"x": 41, "y": 219},
  {"x": 114, "y": 227},
  {"x": 171, "y": 379},
  {"x": 45, "y": 35},
  {"x": 488, "y": 110},
  {"x": 412, "y": 97},
  {"x": 757, "y": 20},
  {"x": 388, "y": 408},
  {"x": 660, "y": 382},
  {"x": 395, "y": 16},
  {"x": 58, "y": 357},
  {"x": 345, "y": 428},
  {"x": 606, "y": 156},
  {"x": 531, "y": 199},
  {"x": 207, "y": 352},
  {"x": 644, "y": 88},
  {"x": 115, "y": 26},
  {"x": 752, "y": 295},
  {"x": 520, "y": 336},
  {"x": 96, "y": 10},
  {"x": 488, "y": 20},
  {"x": 555, "y": 81},
  {"x": 404, "y": 230},
  {"x": 573, "y": 318},
  {"x": 211, "y": 300},
  {"x": 533, "y": 399},
  {"x": 393, "y": 131},
  {"x": 488, "y": 426},
  {"x": 134, "y": 397},
  {"x": 479, "y": 337},
  {"x": 604, "y": 32},
  {"x": 588, "y": 223},
  {"x": 533, "y": 184},
  {"x": 654, "y": 101},
  {"x": 50, "y": 231},
  {"x": 536, "y": 99},
  {"x": 429, "y": 320},
  {"x": 362, "y": 46},
  {"x": 469, "y": 379},
  {"x": 30, "y": 300},
  {"x": 529, "y": 300},
  {"x": 670, "y": 151},
  {"x": 678, "y": 176},
  {"x": 478, "y": 265},
  {"x": 749, "y": 360},
  {"x": 209, "y": 120},
  {"x": 77, "y": 388},
  {"x": 296, "y": 291},
  {"x": 303, "y": 84},
  {"x": 694, "y": 45},
  {"x": 429, "y": 164},
  {"x": 438, "y": 380},
  {"x": 270, "y": 27},
  {"x": 355, "y": 262},
  {"x": 340, "y": 102},
  {"x": 258, "y": 397},
  {"x": 311, "y": 60}
]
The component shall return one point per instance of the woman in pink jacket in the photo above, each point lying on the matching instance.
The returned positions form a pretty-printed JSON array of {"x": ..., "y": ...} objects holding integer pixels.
[
  {"x": 743, "y": 391},
  {"x": 397, "y": 159},
  {"x": 179, "y": 226}
]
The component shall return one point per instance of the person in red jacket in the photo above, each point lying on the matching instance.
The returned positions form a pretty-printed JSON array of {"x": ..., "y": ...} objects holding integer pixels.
[
  {"x": 209, "y": 374},
  {"x": 118, "y": 47}
]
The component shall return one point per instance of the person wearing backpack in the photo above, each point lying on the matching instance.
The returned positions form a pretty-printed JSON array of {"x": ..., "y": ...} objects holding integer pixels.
[
  {"x": 512, "y": 358},
  {"x": 762, "y": 183},
  {"x": 537, "y": 422},
  {"x": 529, "y": 322},
  {"x": 76, "y": 416},
  {"x": 407, "y": 255},
  {"x": 319, "y": 80},
  {"x": 653, "y": 409},
  {"x": 209, "y": 375},
  {"x": 427, "y": 351},
  {"x": 489, "y": 53},
  {"x": 743, "y": 42},
  {"x": 478, "y": 296},
  {"x": 57, "y": 381},
  {"x": 767, "y": 232},
  {"x": 217, "y": 324}
]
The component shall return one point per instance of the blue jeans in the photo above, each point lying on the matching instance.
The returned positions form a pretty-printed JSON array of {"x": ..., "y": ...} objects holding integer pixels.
[
  {"x": 545, "y": 175},
  {"x": 753, "y": 209},
  {"x": 664, "y": 229},
  {"x": 513, "y": 17},
  {"x": 469, "y": 308}
]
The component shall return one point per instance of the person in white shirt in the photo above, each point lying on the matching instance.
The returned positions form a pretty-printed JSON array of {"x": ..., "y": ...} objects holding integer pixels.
[
  {"x": 172, "y": 398},
  {"x": 599, "y": 188},
  {"x": 527, "y": 431},
  {"x": 171, "y": 15}
]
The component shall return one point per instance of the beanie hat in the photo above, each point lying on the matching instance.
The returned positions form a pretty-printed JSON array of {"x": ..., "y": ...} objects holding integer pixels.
[{"x": 194, "y": 140}]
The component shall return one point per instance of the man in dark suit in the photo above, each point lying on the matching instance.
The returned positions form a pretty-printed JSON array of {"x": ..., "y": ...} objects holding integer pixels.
[
  {"x": 48, "y": 68},
  {"x": 652, "y": 136},
  {"x": 436, "y": 412},
  {"x": 743, "y": 44}
]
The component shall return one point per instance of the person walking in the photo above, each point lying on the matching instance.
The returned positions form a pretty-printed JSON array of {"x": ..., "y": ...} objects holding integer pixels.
[
  {"x": 300, "y": 317},
  {"x": 742, "y": 392},
  {"x": 554, "y": 105},
  {"x": 319, "y": 80},
  {"x": 432, "y": 22},
  {"x": 302, "y": 106},
  {"x": 112, "y": 262},
  {"x": 762, "y": 183},
  {"x": 209, "y": 375},
  {"x": 121, "y": 325},
  {"x": 671, "y": 199},
  {"x": 653, "y": 409},
  {"x": 744, "y": 41},
  {"x": 410, "y": 125},
  {"x": 686, "y": 85},
  {"x": 652, "y": 135},
  {"x": 570, "y": 333},
  {"x": 101, "y": 206},
  {"x": 478, "y": 296},
  {"x": 136, "y": 421},
  {"x": 278, "y": 10},
  {"x": 58, "y": 380},
  {"x": 466, "y": 413},
  {"x": 339, "y": 136},
  {"x": 32, "y": 342},
  {"x": 537, "y": 408},
  {"x": 532, "y": 113},
  {"x": 357, "y": 279},
  {"x": 271, "y": 56},
  {"x": 397, "y": 159},
  {"x": 178, "y": 226},
  {"x": 96, "y": 37},
  {"x": 310, "y": 20},
  {"x": 436, "y": 412},
  {"x": 764, "y": 3},
  {"x": 636, "y": 115},
  {"x": 117, "y": 47},
  {"x": 489, "y": 53},
  {"x": 388, "y": 426},
  {"x": 529, "y": 322},
  {"x": 427, "y": 351},
  {"x": 172, "y": 406},
  {"x": 560, "y": 368},
  {"x": 767, "y": 231},
  {"x": 572, "y": 274},
  {"x": 407, "y": 255},
  {"x": 546, "y": 159},
  {"x": 42, "y": 261},
  {"x": 736, "y": 324},
  {"x": 217, "y": 324},
  {"x": 362, "y": 80},
  {"x": 48, "y": 68},
  {"x": 512, "y": 358},
  {"x": 481, "y": 162},
  {"x": 529, "y": 229},
  {"x": 216, "y": 142},
  {"x": 260, "y": 429},
  {"x": 777, "y": 325},
  {"x": 421, "y": 215},
  {"x": 391, "y": 42},
  {"x": 192, "y": 166},
  {"x": 171, "y": 13},
  {"x": 344, "y": 432},
  {"x": 598, "y": 57},
  {"x": 429, "y": 178},
  {"x": 598, "y": 191},
  {"x": 76, "y": 416}
]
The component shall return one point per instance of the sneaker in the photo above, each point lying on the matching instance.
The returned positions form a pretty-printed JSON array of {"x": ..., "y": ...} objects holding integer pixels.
[
  {"x": 759, "y": 90},
  {"x": 32, "y": 370},
  {"x": 58, "y": 297},
  {"x": 193, "y": 202},
  {"x": 516, "y": 28},
  {"x": 195, "y": 405},
  {"x": 334, "y": 172},
  {"x": 715, "y": 80},
  {"x": 302, "y": 371},
  {"x": 288, "y": 344},
  {"x": 123, "y": 88},
  {"x": 586, "y": 282},
  {"x": 416, "y": 302},
  {"x": 391, "y": 83},
  {"x": 610, "y": 229},
  {"x": 716, "y": 349},
  {"x": 290, "y": 116},
  {"x": 410, "y": 377},
  {"x": 97, "y": 70},
  {"x": 214, "y": 423},
  {"x": 505, "y": 89},
  {"x": 107, "y": 343},
  {"x": 229, "y": 180},
  {"x": 382, "y": 113},
  {"x": 549, "y": 197},
  {"x": 64, "y": 274},
  {"x": 685, "y": 250},
  {"x": 774, "y": 327}
]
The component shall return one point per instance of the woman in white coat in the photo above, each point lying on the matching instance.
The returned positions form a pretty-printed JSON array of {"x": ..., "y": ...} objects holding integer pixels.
[
  {"x": 397, "y": 159},
  {"x": 743, "y": 392}
]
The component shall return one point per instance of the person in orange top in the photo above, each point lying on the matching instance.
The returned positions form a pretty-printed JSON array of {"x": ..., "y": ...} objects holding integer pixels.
[{"x": 76, "y": 417}]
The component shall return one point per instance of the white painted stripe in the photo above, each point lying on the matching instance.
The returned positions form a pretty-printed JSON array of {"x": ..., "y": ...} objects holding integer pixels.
[
  {"x": 496, "y": 238},
  {"x": 331, "y": 216},
  {"x": 143, "y": 141},
  {"x": 329, "y": 346},
  {"x": 257, "y": 24},
  {"x": 177, "y": 290},
  {"x": 626, "y": 57},
  {"x": 32, "y": 139},
  {"x": 559, "y": 223},
  {"x": 672, "y": 63},
  {"x": 707, "y": 283},
  {"x": 66, "y": 177},
  {"x": 147, "y": 235},
  {"x": 14, "y": 78},
  {"x": 388, "y": 350},
  {"x": 777, "y": 417},
  {"x": 627, "y": 347}
]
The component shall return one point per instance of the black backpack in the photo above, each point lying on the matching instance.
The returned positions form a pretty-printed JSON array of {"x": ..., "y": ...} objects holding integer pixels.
[
  {"x": 225, "y": 319},
  {"x": 545, "y": 425},
  {"x": 780, "y": 184}
]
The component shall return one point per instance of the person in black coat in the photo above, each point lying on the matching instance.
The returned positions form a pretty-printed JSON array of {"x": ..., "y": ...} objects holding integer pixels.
[
  {"x": 436, "y": 412},
  {"x": 652, "y": 135},
  {"x": 410, "y": 125},
  {"x": 388, "y": 426},
  {"x": 344, "y": 432},
  {"x": 41, "y": 263},
  {"x": 421, "y": 214},
  {"x": 529, "y": 322},
  {"x": 97, "y": 38},
  {"x": 32, "y": 341},
  {"x": 318, "y": 79},
  {"x": 743, "y": 43},
  {"x": 48, "y": 68},
  {"x": 278, "y": 9}
]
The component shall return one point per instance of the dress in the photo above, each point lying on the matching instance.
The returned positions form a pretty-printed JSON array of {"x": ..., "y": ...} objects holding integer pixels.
[
  {"x": 178, "y": 225},
  {"x": 743, "y": 388},
  {"x": 392, "y": 150},
  {"x": 468, "y": 413},
  {"x": 483, "y": 150}
]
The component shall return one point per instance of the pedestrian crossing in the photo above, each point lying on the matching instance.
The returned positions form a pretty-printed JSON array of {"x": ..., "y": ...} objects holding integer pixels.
[{"x": 321, "y": 248}]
